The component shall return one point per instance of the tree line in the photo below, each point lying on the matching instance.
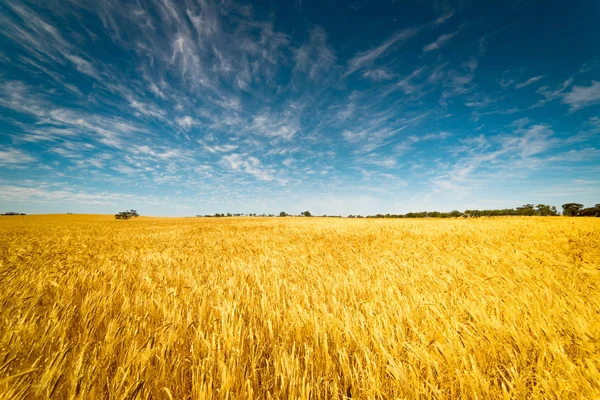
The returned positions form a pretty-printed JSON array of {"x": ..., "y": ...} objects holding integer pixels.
[
  {"x": 543, "y": 210},
  {"x": 281, "y": 214}
]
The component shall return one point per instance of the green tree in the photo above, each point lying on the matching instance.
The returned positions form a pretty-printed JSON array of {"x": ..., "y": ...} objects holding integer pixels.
[
  {"x": 283, "y": 214},
  {"x": 306, "y": 214},
  {"x": 591, "y": 211},
  {"x": 546, "y": 211},
  {"x": 127, "y": 214},
  {"x": 571, "y": 209},
  {"x": 526, "y": 209}
]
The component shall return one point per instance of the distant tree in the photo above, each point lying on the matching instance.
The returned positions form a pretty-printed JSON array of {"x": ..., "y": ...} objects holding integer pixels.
[
  {"x": 126, "y": 214},
  {"x": 546, "y": 211},
  {"x": 571, "y": 209},
  {"x": 526, "y": 209},
  {"x": 306, "y": 214},
  {"x": 590, "y": 211},
  {"x": 283, "y": 214}
]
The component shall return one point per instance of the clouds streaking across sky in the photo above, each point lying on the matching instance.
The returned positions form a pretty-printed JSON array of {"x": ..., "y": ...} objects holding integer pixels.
[{"x": 196, "y": 107}]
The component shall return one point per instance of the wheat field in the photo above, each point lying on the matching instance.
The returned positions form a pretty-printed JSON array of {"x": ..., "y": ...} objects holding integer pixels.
[{"x": 299, "y": 308}]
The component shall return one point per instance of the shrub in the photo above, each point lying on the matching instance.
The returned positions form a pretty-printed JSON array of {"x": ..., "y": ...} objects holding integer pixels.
[{"x": 126, "y": 214}]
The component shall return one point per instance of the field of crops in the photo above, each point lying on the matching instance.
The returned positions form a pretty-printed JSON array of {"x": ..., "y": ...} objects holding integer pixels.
[{"x": 280, "y": 308}]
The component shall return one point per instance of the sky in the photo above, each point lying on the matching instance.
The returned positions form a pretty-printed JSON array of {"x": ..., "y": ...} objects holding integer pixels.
[{"x": 192, "y": 107}]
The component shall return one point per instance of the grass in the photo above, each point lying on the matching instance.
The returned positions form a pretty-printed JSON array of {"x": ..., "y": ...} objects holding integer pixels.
[{"x": 303, "y": 308}]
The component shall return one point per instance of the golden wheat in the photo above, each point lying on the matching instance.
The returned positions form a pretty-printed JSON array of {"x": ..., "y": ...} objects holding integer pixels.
[{"x": 303, "y": 308}]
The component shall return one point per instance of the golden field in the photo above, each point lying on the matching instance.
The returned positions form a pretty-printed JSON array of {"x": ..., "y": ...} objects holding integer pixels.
[{"x": 309, "y": 308}]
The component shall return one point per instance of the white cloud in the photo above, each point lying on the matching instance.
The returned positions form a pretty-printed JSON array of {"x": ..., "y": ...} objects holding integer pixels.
[
  {"x": 550, "y": 94},
  {"x": 456, "y": 84},
  {"x": 381, "y": 161},
  {"x": 206, "y": 22},
  {"x": 529, "y": 81},
  {"x": 583, "y": 96},
  {"x": 154, "y": 89},
  {"x": 470, "y": 65},
  {"x": 535, "y": 140},
  {"x": 108, "y": 131},
  {"x": 407, "y": 145},
  {"x": 14, "y": 158},
  {"x": 185, "y": 53},
  {"x": 284, "y": 126},
  {"x": 42, "y": 40},
  {"x": 84, "y": 66},
  {"x": 378, "y": 74},
  {"x": 443, "y": 18},
  {"x": 45, "y": 195},
  {"x": 185, "y": 122},
  {"x": 366, "y": 57},
  {"x": 437, "y": 73},
  {"x": 315, "y": 57},
  {"x": 66, "y": 153},
  {"x": 220, "y": 149},
  {"x": 160, "y": 152},
  {"x": 376, "y": 135},
  {"x": 517, "y": 154},
  {"x": 147, "y": 109},
  {"x": 440, "y": 41},
  {"x": 248, "y": 164},
  {"x": 405, "y": 84}
]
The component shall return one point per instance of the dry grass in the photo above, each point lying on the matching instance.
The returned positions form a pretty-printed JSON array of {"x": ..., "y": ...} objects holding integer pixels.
[{"x": 299, "y": 308}]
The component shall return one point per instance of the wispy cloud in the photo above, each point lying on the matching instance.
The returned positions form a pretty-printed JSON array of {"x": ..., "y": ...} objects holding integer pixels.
[
  {"x": 529, "y": 81},
  {"x": 408, "y": 144},
  {"x": 365, "y": 58},
  {"x": 283, "y": 126},
  {"x": 553, "y": 94},
  {"x": 457, "y": 84},
  {"x": 14, "y": 158},
  {"x": 315, "y": 57},
  {"x": 583, "y": 96},
  {"x": 406, "y": 84},
  {"x": 514, "y": 155},
  {"x": 377, "y": 135},
  {"x": 440, "y": 41},
  {"x": 221, "y": 149},
  {"x": 185, "y": 122},
  {"x": 378, "y": 74},
  {"x": 46, "y": 195},
  {"x": 248, "y": 164},
  {"x": 471, "y": 65},
  {"x": 442, "y": 19}
]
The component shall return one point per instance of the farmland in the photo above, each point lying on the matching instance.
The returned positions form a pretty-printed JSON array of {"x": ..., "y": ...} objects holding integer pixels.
[{"x": 302, "y": 308}]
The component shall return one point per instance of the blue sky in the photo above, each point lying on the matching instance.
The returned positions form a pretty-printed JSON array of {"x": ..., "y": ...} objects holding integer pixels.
[{"x": 195, "y": 107}]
